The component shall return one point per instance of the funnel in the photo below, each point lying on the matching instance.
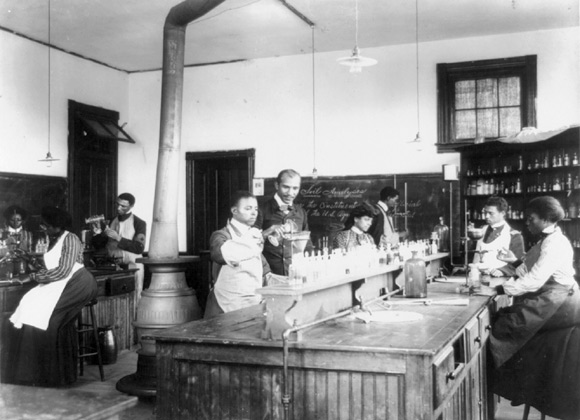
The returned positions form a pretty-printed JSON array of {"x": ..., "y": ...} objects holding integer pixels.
[{"x": 298, "y": 241}]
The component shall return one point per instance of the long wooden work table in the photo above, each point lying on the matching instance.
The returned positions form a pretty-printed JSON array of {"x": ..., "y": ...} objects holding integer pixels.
[{"x": 431, "y": 368}]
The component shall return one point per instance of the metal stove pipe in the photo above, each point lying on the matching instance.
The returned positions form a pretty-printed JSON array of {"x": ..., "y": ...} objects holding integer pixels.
[
  {"x": 164, "y": 243},
  {"x": 168, "y": 301}
]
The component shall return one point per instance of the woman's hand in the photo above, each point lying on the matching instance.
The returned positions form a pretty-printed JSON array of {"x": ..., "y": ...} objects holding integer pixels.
[
  {"x": 485, "y": 291},
  {"x": 506, "y": 255},
  {"x": 494, "y": 272}
]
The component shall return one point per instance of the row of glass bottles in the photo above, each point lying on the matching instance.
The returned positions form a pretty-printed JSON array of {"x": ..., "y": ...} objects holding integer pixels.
[
  {"x": 514, "y": 214},
  {"x": 553, "y": 159},
  {"x": 546, "y": 183},
  {"x": 490, "y": 186},
  {"x": 503, "y": 166},
  {"x": 540, "y": 160},
  {"x": 328, "y": 266}
]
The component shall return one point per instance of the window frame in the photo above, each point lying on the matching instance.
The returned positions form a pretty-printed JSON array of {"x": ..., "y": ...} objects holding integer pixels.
[{"x": 448, "y": 74}]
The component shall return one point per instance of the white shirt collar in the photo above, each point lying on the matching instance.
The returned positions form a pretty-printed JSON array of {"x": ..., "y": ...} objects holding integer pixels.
[
  {"x": 550, "y": 229},
  {"x": 243, "y": 228},
  {"x": 356, "y": 230},
  {"x": 12, "y": 230},
  {"x": 498, "y": 224},
  {"x": 383, "y": 206},
  {"x": 279, "y": 200}
]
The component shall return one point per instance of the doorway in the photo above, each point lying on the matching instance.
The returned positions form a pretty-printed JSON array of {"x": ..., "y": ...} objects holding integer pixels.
[
  {"x": 212, "y": 178},
  {"x": 92, "y": 165}
]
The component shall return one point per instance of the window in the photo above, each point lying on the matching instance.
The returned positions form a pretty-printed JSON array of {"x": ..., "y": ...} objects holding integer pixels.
[{"x": 484, "y": 99}]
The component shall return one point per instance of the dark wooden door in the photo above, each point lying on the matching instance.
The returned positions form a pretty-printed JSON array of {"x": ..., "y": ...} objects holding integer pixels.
[
  {"x": 212, "y": 178},
  {"x": 92, "y": 166}
]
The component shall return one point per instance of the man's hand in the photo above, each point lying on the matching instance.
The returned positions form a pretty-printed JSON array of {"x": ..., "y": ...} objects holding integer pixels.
[
  {"x": 274, "y": 229},
  {"x": 494, "y": 272},
  {"x": 112, "y": 234},
  {"x": 96, "y": 228}
]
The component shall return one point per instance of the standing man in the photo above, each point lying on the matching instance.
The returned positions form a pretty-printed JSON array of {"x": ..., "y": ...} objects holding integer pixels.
[
  {"x": 124, "y": 238},
  {"x": 498, "y": 236},
  {"x": 383, "y": 229},
  {"x": 275, "y": 213}
]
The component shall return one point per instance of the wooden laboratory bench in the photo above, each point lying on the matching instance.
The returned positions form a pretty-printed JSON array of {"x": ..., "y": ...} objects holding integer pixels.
[
  {"x": 27, "y": 402},
  {"x": 433, "y": 368},
  {"x": 116, "y": 307}
]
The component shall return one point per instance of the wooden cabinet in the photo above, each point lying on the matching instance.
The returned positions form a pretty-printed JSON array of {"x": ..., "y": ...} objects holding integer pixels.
[
  {"x": 521, "y": 171},
  {"x": 433, "y": 369}
]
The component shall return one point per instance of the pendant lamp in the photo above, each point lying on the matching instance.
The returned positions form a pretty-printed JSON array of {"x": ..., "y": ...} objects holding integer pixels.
[
  {"x": 48, "y": 159},
  {"x": 314, "y": 170},
  {"x": 356, "y": 61},
  {"x": 417, "y": 141}
]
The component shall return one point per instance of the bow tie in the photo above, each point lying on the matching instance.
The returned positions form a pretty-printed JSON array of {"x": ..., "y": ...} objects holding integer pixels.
[{"x": 286, "y": 207}]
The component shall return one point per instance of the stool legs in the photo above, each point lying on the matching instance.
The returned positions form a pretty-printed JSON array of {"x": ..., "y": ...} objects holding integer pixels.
[
  {"x": 86, "y": 328},
  {"x": 527, "y": 413}
]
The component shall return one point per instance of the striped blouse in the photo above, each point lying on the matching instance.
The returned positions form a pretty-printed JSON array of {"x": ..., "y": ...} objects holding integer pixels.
[{"x": 72, "y": 251}]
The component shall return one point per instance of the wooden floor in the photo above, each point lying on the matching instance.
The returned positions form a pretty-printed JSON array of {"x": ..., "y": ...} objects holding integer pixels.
[{"x": 145, "y": 410}]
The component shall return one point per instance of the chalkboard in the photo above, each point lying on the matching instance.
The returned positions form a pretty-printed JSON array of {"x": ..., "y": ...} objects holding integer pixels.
[
  {"x": 328, "y": 201},
  {"x": 32, "y": 192}
]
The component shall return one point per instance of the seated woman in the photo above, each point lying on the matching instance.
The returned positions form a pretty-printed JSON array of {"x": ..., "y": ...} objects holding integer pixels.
[
  {"x": 238, "y": 266},
  {"x": 44, "y": 343},
  {"x": 14, "y": 232},
  {"x": 354, "y": 233},
  {"x": 535, "y": 343}
]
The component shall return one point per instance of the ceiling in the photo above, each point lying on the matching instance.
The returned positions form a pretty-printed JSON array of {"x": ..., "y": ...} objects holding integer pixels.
[{"x": 128, "y": 34}]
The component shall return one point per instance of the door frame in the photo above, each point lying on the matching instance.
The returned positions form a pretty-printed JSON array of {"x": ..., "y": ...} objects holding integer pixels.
[
  {"x": 76, "y": 110},
  {"x": 190, "y": 197}
]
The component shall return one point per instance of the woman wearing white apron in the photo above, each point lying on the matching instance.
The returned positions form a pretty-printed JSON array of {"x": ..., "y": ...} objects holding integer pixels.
[
  {"x": 44, "y": 346},
  {"x": 534, "y": 343},
  {"x": 238, "y": 264}
]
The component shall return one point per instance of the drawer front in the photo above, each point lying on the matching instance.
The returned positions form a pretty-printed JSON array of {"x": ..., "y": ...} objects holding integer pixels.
[
  {"x": 473, "y": 334},
  {"x": 484, "y": 324},
  {"x": 445, "y": 371},
  {"x": 120, "y": 285}
]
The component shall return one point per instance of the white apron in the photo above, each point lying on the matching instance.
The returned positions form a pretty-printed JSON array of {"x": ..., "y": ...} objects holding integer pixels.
[
  {"x": 36, "y": 306},
  {"x": 488, "y": 260},
  {"x": 238, "y": 280}
]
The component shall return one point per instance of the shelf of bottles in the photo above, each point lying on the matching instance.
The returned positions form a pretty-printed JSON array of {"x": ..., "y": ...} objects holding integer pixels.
[{"x": 521, "y": 172}]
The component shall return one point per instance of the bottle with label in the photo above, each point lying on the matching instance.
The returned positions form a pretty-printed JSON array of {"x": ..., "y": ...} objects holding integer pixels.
[
  {"x": 575, "y": 159},
  {"x": 443, "y": 234},
  {"x": 415, "y": 277}
]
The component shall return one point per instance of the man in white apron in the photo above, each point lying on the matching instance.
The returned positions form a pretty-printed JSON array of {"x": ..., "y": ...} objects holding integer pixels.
[
  {"x": 124, "y": 238},
  {"x": 238, "y": 266},
  {"x": 498, "y": 235}
]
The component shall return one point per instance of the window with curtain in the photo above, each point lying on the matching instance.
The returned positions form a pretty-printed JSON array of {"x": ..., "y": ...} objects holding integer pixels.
[{"x": 485, "y": 99}]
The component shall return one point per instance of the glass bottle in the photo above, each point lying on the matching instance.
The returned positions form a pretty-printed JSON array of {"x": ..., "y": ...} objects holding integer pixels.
[
  {"x": 443, "y": 234},
  {"x": 415, "y": 277}
]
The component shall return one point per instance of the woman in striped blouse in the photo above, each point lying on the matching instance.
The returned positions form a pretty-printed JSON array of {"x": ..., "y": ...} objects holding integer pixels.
[{"x": 44, "y": 346}]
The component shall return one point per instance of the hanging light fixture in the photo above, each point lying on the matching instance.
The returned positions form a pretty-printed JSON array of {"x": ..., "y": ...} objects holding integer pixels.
[
  {"x": 314, "y": 170},
  {"x": 48, "y": 159},
  {"x": 417, "y": 140},
  {"x": 356, "y": 61}
]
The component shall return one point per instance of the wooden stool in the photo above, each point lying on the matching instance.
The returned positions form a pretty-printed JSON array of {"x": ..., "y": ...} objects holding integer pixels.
[
  {"x": 527, "y": 413},
  {"x": 86, "y": 350}
]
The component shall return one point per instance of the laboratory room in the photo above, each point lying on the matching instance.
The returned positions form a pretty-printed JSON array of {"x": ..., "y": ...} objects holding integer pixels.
[{"x": 304, "y": 209}]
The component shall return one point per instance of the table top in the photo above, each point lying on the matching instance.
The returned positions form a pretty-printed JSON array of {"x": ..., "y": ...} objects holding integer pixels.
[
  {"x": 26, "y": 402},
  {"x": 438, "y": 324}
]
